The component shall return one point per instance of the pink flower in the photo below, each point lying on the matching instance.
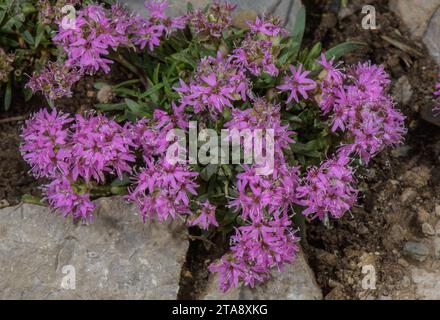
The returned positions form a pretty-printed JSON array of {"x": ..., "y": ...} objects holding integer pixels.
[
  {"x": 54, "y": 81},
  {"x": 216, "y": 19},
  {"x": 63, "y": 198},
  {"x": 92, "y": 38},
  {"x": 256, "y": 249},
  {"x": 217, "y": 83},
  {"x": 256, "y": 56},
  {"x": 205, "y": 217},
  {"x": 99, "y": 146},
  {"x": 297, "y": 83},
  {"x": 362, "y": 109},
  {"x": 162, "y": 190},
  {"x": 45, "y": 145},
  {"x": 269, "y": 26},
  {"x": 329, "y": 189}
]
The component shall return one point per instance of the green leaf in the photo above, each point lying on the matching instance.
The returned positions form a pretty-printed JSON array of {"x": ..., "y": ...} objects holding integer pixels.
[
  {"x": 133, "y": 106},
  {"x": 298, "y": 30},
  {"x": 126, "y": 92},
  {"x": 151, "y": 90},
  {"x": 28, "y": 38},
  {"x": 2, "y": 15},
  {"x": 39, "y": 36},
  {"x": 313, "y": 55},
  {"x": 125, "y": 83},
  {"x": 156, "y": 74},
  {"x": 342, "y": 49},
  {"x": 8, "y": 96},
  {"x": 99, "y": 85},
  {"x": 27, "y": 198},
  {"x": 209, "y": 171},
  {"x": 111, "y": 106}
]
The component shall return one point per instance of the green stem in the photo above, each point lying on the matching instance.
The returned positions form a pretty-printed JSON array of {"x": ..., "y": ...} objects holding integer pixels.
[{"x": 27, "y": 198}]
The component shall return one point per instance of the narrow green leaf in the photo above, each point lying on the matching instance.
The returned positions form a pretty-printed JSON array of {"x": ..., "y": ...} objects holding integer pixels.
[
  {"x": 133, "y": 106},
  {"x": 342, "y": 49},
  {"x": 126, "y": 83},
  {"x": 156, "y": 74},
  {"x": 28, "y": 38},
  {"x": 151, "y": 91},
  {"x": 39, "y": 36},
  {"x": 99, "y": 85},
  {"x": 298, "y": 29},
  {"x": 8, "y": 95},
  {"x": 28, "y": 198},
  {"x": 111, "y": 106}
]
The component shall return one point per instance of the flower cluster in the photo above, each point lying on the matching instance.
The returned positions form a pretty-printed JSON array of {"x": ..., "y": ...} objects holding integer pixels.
[
  {"x": 100, "y": 145},
  {"x": 329, "y": 189},
  {"x": 268, "y": 27},
  {"x": 243, "y": 88},
  {"x": 148, "y": 32},
  {"x": 263, "y": 116},
  {"x": 259, "y": 50},
  {"x": 62, "y": 196},
  {"x": 45, "y": 145},
  {"x": 161, "y": 190},
  {"x": 256, "y": 56},
  {"x": 360, "y": 106},
  {"x": 93, "y": 35},
  {"x": 256, "y": 249},
  {"x": 75, "y": 154},
  {"x": 215, "y": 85},
  {"x": 89, "y": 41},
  {"x": 267, "y": 240},
  {"x": 213, "y": 22},
  {"x": 55, "y": 80}
]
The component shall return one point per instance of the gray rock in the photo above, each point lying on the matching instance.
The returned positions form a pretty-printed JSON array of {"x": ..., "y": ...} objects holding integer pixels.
[
  {"x": 297, "y": 282},
  {"x": 401, "y": 151},
  {"x": 402, "y": 90},
  {"x": 436, "y": 244},
  {"x": 427, "y": 229},
  {"x": 114, "y": 257},
  {"x": 286, "y": 9},
  {"x": 432, "y": 36},
  {"x": 212, "y": 291},
  {"x": 427, "y": 283},
  {"x": 416, "y": 250},
  {"x": 422, "y": 17},
  {"x": 437, "y": 210}
]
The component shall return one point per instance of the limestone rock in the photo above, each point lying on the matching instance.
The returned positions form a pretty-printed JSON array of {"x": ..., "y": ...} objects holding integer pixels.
[
  {"x": 114, "y": 257},
  {"x": 422, "y": 17},
  {"x": 297, "y": 282}
]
